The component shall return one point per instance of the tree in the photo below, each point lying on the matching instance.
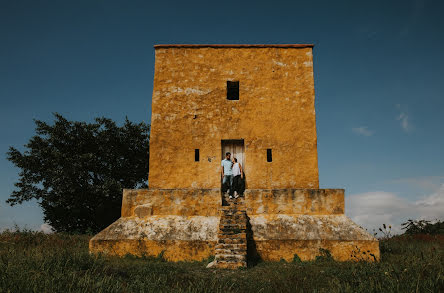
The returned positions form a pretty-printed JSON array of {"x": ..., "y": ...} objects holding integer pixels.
[
  {"x": 412, "y": 227},
  {"x": 77, "y": 170}
]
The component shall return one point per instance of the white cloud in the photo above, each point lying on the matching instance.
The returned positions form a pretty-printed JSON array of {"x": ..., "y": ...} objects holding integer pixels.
[
  {"x": 46, "y": 228},
  {"x": 403, "y": 118},
  {"x": 363, "y": 130},
  {"x": 372, "y": 209}
]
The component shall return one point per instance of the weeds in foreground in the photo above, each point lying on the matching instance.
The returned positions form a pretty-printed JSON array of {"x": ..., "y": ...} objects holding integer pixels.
[{"x": 36, "y": 262}]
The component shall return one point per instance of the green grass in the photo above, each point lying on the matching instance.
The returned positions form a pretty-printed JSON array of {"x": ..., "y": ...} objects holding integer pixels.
[{"x": 35, "y": 262}]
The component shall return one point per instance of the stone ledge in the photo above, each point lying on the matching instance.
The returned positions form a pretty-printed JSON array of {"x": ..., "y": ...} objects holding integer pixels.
[
  {"x": 182, "y": 202},
  {"x": 170, "y": 250},
  {"x": 295, "y": 201},
  {"x": 160, "y": 228},
  {"x": 207, "y": 202},
  {"x": 306, "y": 250},
  {"x": 274, "y": 237},
  {"x": 307, "y": 227}
]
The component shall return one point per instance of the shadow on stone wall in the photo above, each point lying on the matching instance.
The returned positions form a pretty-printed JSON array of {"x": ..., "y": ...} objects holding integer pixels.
[{"x": 253, "y": 257}]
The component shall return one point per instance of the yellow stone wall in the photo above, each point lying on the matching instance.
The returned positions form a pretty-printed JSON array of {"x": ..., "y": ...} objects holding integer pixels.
[
  {"x": 295, "y": 201},
  {"x": 171, "y": 250},
  {"x": 181, "y": 202},
  {"x": 207, "y": 202},
  {"x": 267, "y": 250},
  {"x": 275, "y": 110},
  {"x": 306, "y": 250}
]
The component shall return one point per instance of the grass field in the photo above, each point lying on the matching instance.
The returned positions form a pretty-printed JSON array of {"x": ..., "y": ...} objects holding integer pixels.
[{"x": 35, "y": 262}]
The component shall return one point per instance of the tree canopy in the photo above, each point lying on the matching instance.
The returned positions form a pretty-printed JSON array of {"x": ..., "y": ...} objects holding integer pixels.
[
  {"x": 421, "y": 226},
  {"x": 77, "y": 170}
]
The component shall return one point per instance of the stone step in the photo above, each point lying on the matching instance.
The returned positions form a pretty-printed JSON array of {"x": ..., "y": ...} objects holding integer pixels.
[
  {"x": 232, "y": 241},
  {"x": 233, "y": 220},
  {"x": 230, "y": 257},
  {"x": 235, "y": 207},
  {"x": 241, "y": 226},
  {"x": 231, "y": 214},
  {"x": 238, "y": 207},
  {"x": 235, "y": 217},
  {"x": 232, "y": 230},
  {"x": 239, "y": 247},
  {"x": 230, "y": 221},
  {"x": 231, "y": 251},
  {"x": 231, "y": 246},
  {"x": 232, "y": 236},
  {"x": 230, "y": 265}
]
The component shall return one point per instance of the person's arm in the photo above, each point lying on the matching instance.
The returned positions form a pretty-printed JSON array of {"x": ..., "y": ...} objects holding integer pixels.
[
  {"x": 242, "y": 172},
  {"x": 222, "y": 170}
]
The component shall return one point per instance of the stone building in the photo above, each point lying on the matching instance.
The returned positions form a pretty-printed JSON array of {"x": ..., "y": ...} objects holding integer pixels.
[{"x": 258, "y": 102}]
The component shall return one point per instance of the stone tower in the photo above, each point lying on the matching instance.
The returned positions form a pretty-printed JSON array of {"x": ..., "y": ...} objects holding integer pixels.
[{"x": 258, "y": 102}]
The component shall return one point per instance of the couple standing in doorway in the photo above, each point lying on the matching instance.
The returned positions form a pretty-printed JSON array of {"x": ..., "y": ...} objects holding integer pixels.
[{"x": 232, "y": 176}]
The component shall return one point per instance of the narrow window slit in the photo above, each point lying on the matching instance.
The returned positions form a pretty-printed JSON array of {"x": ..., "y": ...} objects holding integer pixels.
[
  {"x": 196, "y": 155},
  {"x": 232, "y": 90},
  {"x": 269, "y": 156}
]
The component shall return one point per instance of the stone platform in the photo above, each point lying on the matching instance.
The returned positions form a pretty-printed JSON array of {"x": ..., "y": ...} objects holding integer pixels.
[{"x": 183, "y": 225}]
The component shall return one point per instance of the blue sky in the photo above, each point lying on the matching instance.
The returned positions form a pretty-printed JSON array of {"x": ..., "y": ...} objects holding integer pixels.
[{"x": 379, "y": 69}]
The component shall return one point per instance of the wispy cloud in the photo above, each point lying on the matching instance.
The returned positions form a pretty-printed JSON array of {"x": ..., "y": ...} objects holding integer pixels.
[
  {"x": 403, "y": 118},
  {"x": 426, "y": 183},
  {"x": 372, "y": 209},
  {"x": 363, "y": 130}
]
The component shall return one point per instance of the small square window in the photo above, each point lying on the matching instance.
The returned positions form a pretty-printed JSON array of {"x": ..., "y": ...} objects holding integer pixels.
[
  {"x": 269, "y": 156},
  {"x": 196, "y": 155},
  {"x": 232, "y": 90}
]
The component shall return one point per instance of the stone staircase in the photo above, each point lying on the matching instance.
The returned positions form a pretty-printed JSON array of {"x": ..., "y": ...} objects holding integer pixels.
[{"x": 231, "y": 247}]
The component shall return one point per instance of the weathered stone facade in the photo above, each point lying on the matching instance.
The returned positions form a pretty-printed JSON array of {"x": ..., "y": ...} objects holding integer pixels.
[
  {"x": 275, "y": 110},
  {"x": 287, "y": 213}
]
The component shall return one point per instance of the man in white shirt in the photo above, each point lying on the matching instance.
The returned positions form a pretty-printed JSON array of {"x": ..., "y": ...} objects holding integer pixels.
[{"x": 227, "y": 174}]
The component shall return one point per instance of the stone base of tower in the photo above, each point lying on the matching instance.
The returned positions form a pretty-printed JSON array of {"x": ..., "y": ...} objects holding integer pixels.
[
  {"x": 175, "y": 238},
  {"x": 278, "y": 237},
  {"x": 183, "y": 225}
]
